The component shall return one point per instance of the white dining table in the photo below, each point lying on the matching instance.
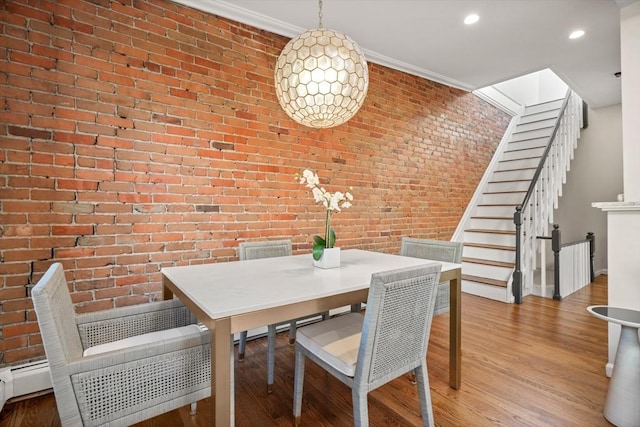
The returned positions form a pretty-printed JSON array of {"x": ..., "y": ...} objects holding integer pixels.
[{"x": 230, "y": 297}]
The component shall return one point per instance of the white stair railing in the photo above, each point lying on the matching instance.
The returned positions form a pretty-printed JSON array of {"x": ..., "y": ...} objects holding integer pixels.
[
  {"x": 575, "y": 272},
  {"x": 533, "y": 216}
]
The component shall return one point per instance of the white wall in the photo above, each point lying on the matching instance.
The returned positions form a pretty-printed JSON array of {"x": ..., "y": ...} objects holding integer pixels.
[
  {"x": 630, "y": 59},
  {"x": 550, "y": 86},
  {"x": 534, "y": 88},
  {"x": 623, "y": 220},
  {"x": 596, "y": 174}
]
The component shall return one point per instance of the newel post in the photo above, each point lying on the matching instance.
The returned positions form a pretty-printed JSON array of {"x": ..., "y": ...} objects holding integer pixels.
[
  {"x": 517, "y": 274},
  {"x": 592, "y": 250},
  {"x": 555, "y": 246}
]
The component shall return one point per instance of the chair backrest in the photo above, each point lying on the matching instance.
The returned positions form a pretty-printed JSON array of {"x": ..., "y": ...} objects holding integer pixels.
[
  {"x": 437, "y": 250},
  {"x": 56, "y": 318},
  {"x": 397, "y": 322},
  {"x": 267, "y": 249},
  {"x": 60, "y": 336}
]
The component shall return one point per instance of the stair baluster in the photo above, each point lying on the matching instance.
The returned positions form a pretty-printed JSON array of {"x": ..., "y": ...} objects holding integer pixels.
[{"x": 535, "y": 213}]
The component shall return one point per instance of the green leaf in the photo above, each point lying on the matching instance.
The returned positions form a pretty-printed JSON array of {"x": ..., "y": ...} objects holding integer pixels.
[
  {"x": 318, "y": 250},
  {"x": 318, "y": 247},
  {"x": 332, "y": 238}
]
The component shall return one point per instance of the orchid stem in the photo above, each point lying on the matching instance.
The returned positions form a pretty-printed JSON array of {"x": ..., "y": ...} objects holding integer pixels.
[{"x": 327, "y": 230}]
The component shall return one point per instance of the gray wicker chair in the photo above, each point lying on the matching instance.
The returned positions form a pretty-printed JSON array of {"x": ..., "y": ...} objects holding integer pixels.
[
  {"x": 120, "y": 366},
  {"x": 269, "y": 249},
  {"x": 390, "y": 340},
  {"x": 437, "y": 250}
]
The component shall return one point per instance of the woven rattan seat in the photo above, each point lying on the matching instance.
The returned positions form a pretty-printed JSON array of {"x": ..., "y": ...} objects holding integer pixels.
[
  {"x": 365, "y": 352},
  {"x": 436, "y": 250},
  {"x": 124, "y": 365}
]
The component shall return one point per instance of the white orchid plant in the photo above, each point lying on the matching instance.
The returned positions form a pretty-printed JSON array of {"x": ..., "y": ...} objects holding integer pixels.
[{"x": 333, "y": 202}]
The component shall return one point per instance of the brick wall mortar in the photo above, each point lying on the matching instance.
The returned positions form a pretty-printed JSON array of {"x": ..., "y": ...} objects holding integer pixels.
[{"x": 135, "y": 138}]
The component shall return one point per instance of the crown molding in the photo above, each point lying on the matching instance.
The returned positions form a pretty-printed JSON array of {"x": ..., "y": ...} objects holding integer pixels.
[{"x": 258, "y": 20}]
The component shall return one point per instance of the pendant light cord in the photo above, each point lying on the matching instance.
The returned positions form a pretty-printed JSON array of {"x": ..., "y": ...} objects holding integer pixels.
[{"x": 320, "y": 14}]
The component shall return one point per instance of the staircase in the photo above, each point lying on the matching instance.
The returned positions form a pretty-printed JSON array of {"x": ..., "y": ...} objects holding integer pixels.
[{"x": 489, "y": 232}]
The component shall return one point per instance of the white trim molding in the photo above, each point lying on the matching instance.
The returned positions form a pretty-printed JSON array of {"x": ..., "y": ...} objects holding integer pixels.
[{"x": 230, "y": 11}]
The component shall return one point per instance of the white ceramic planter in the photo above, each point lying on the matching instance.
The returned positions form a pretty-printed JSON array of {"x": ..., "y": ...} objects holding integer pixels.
[{"x": 330, "y": 259}]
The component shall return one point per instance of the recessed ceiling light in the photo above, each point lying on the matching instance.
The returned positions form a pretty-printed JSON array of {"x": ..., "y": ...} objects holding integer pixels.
[
  {"x": 471, "y": 19},
  {"x": 576, "y": 34}
]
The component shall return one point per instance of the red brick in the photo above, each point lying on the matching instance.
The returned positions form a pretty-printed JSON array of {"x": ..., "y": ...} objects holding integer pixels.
[
  {"x": 168, "y": 150},
  {"x": 13, "y": 343}
]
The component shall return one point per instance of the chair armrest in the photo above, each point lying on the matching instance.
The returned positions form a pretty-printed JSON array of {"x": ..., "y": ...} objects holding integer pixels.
[
  {"x": 127, "y": 378},
  {"x": 138, "y": 353},
  {"x": 124, "y": 322}
]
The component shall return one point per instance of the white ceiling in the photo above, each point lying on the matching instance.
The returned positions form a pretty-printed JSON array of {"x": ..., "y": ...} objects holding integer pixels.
[{"x": 429, "y": 39}]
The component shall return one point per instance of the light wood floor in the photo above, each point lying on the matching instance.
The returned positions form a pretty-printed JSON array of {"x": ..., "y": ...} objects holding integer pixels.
[{"x": 536, "y": 364}]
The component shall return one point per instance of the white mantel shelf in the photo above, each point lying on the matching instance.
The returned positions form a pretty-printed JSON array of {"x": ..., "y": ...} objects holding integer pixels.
[{"x": 617, "y": 206}]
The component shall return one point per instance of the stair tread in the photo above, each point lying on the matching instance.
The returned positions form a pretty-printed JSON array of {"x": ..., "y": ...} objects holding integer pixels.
[
  {"x": 516, "y": 169},
  {"x": 533, "y": 130},
  {"x": 530, "y": 139},
  {"x": 484, "y": 280},
  {"x": 524, "y": 149},
  {"x": 489, "y": 231},
  {"x": 538, "y": 120},
  {"x": 488, "y": 262},
  {"x": 490, "y": 246},
  {"x": 509, "y": 181},
  {"x": 521, "y": 158},
  {"x": 505, "y": 192},
  {"x": 492, "y": 217},
  {"x": 499, "y": 204}
]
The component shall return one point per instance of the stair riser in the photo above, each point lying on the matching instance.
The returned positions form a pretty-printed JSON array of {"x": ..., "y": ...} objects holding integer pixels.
[
  {"x": 518, "y": 164},
  {"x": 492, "y": 224},
  {"x": 547, "y": 106},
  {"x": 531, "y": 143},
  {"x": 538, "y": 133},
  {"x": 513, "y": 175},
  {"x": 501, "y": 211},
  {"x": 490, "y": 238},
  {"x": 489, "y": 254},
  {"x": 497, "y": 293},
  {"x": 551, "y": 114},
  {"x": 523, "y": 154},
  {"x": 487, "y": 271},
  {"x": 536, "y": 125},
  {"x": 494, "y": 187},
  {"x": 502, "y": 198}
]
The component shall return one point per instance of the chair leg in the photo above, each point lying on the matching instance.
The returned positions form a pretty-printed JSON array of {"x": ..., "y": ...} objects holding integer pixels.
[
  {"x": 293, "y": 326},
  {"x": 271, "y": 356},
  {"x": 356, "y": 308},
  {"x": 360, "y": 408},
  {"x": 242, "y": 343},
  {"x": 424, "y": 394},
  {"x": 298, "y": 383},
  {"x": 194, "y": 408},
  {"x": 412, "y": 377}
]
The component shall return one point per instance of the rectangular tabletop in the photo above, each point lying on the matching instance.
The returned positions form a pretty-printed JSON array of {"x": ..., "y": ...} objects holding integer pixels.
[{"x": 236, "y": 296}]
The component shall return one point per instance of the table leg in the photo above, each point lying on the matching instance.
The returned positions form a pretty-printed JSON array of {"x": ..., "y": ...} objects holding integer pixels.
[
  {"x": 222, "y": 389},
  {"x": 455, "y": 331},
  {"x": 166, "y": 292},
  {"x": 622, "y": 408}
]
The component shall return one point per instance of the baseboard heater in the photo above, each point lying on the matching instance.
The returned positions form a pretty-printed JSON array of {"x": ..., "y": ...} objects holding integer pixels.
[{"x": 23, "y": 380}]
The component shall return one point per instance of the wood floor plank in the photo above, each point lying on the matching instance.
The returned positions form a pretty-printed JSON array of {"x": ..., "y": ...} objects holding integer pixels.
[{"x": 536, "y": 364}]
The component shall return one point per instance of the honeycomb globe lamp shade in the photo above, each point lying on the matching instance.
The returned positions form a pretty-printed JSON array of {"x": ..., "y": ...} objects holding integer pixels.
[{"x": 321, "y": 78}]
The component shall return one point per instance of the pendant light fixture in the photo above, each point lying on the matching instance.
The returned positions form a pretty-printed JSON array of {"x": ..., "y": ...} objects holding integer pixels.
[{"x": 321, "y": 77}]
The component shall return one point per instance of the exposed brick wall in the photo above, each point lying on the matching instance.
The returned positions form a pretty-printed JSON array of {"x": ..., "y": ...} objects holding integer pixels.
[{"x": 136, "y": 135}]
